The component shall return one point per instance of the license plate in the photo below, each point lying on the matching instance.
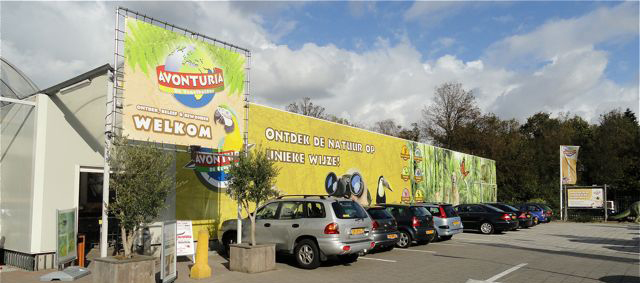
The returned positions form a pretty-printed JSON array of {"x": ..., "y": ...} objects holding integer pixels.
[
  {"x": 429, "y": 232},
  {"x": 357, "y": 231},
  {"x": 392, "y": 236},
  {"x": 456, "y": 222}
]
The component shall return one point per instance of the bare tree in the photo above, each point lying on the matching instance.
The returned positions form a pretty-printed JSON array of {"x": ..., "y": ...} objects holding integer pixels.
[
  {"x": 307, "y": 108},
  {"x": 387, "y": 127},
  {"x": 452, "y": 108}
]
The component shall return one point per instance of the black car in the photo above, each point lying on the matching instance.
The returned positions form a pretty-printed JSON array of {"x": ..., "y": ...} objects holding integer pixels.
[
  {"x": 486, "y": 218},
  {"x": 384, "y": 230},
  {"x": 524, "y": 217},
  {"x": 415, "y": 223}
]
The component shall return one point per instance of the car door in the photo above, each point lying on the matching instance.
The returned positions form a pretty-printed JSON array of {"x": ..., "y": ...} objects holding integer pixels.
[
  {"x": 477, "y": 214},
  {"x": 463, "y": 212},
  {"x": 265, "y": 217},
  {"x": 287, "y": 226}
]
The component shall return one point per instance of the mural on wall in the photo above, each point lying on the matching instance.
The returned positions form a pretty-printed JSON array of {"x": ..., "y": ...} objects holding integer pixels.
[{"x": 320, "y": 157}]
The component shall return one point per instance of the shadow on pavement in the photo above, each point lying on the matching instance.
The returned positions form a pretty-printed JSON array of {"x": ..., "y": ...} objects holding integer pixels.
[
  {"x": 612, "y": 244},
  {"x": 568, "y": 253},
  {"x": 620, "y": 279}
]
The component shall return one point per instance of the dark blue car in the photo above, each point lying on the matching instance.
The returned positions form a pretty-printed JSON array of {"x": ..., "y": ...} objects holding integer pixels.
[{"x": 538, "y": 214}]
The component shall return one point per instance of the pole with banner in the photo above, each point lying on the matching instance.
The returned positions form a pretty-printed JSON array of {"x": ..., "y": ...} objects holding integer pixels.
[{"x": 568, "y": 172}]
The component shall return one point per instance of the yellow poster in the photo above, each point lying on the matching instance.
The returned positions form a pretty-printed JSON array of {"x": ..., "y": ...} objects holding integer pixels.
[
  {"x": 568, "y": 162},
  {"x": 585, "y": 197},
  {"x": 181, "y": 90}
]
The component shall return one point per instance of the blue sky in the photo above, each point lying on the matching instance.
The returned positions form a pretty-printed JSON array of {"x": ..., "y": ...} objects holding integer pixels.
[
  {"x": 465, "y": 31},
  {"x": 369, "y": 61}
]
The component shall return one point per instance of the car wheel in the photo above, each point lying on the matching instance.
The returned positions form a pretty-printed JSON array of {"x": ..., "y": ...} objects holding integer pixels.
[
  {"x": 445, "y": 238},
  {"x": 535, "y": 221},
  {"x": 307, "y": 254},
  {"x": 404, "y": 241},
  {"x": 227, "y": 240},
  {"x": 348, "y": 258},
  {"x": 486, "y": 228}
]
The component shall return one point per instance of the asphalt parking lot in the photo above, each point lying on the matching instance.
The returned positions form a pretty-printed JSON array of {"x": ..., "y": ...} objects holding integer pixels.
[{"x": 554, "y": 252}]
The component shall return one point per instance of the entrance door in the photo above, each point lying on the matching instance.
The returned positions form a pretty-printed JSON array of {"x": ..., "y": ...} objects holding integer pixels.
[{"x": 90, "y": 204}]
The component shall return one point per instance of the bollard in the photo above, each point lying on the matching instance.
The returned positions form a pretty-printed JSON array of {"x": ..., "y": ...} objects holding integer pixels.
[{"x": 202, "y": 269}]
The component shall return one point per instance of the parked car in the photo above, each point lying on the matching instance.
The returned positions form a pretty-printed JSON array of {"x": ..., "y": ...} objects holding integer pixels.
[
  {"x": 537, "y": 213},
  {"x": 486, "y": 218},
  {"x": 415, "y": 223},
  {"x": 384, "y": 228},
  {"x": 548, "y": 212},
  {"x": 312, "y": 228},
  {"x": 445, "y": 220},
  {"x": 524, "y": 217}
]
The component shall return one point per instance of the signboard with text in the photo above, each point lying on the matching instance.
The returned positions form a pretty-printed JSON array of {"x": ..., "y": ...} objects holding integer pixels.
[
  {"x": 585, "y": 197},
  {"x": 169, "y": 253},
  {"x": 181, "y": 90},
  {"x": 184, "y": 238},
  {"x": 67, "y": 231}
]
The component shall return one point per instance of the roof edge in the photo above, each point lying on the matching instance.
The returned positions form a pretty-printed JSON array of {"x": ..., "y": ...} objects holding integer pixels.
[{"x": 88, "y": 75}]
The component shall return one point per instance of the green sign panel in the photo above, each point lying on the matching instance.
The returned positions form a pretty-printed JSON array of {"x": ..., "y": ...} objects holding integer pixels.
[{"x": 66, "y": 235}]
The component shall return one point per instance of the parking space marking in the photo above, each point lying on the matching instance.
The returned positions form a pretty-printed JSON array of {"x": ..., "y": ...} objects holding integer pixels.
[
  {"x": 414, "y": 250},
  {"x": 443, "y": 244},
  {"x": 498, "y": 276},
  {"x": 378, "y": 259},
  {"x": 501, "y": 274}
]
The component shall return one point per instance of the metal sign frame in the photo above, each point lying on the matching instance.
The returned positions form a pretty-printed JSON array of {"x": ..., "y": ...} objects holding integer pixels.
[
  {"x": 565, "y": 192},
  {"x": 115, "y": 99},
  {"x": 72, "y": 257},
  {"x": 163, "y": 275}
]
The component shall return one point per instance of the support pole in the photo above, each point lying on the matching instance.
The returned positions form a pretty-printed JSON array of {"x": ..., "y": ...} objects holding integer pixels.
[
  {"x": 561, "y": 191},
  {"x": 606, "y": 209}
]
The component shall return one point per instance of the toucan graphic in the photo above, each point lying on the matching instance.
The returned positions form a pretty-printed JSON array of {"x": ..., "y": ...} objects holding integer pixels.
[
  {"x": 462, "y": 169},
  {"x": 381, "y": 196}
]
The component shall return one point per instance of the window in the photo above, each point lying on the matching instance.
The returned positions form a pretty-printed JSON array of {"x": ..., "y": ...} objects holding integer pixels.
[
  {"x": 434, "y": 210},
  {"x": 420, "y": 211},
  {"x": 462, "y": 208},
  {"x": 315, "y": 210},
  {"x": 291, "y": 210},
  {"x": 379, "y": 213},
  {"x": 268, "y": 211},
  {"x": 476, "y": 208},
  {"x": 449, "y": 211},
  {"x": 348, "y": 210},
  {"x": 492, "y": 208}
]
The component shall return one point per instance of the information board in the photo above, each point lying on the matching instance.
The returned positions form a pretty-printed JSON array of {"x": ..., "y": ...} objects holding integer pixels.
[
  {"x": 585, "y": 197},
  {"x": 185, "y": 238},
  {"x": 169, "y": 252},
  {"x": 66, "y": 231}
]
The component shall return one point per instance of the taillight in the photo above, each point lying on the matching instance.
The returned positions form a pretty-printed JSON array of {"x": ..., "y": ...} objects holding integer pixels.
[
  {"x": 346, "y": 248},
  {"x": 374, "y": 225},
  {"x": 415, "y": 222},
  {"x": 522, "y": 215},
  {"x": 442, "y": 213},
  {"x": 372, "y": 245},
  {"x": 331, "y": 228},
  {"x": 506, "y": 217}
]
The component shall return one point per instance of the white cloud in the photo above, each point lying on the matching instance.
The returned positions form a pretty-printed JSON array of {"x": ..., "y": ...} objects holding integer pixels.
[{"x": 384, "y": 81}]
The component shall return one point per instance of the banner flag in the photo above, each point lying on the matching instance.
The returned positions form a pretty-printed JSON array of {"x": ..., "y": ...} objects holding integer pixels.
[{"x": 568, "y": 161}]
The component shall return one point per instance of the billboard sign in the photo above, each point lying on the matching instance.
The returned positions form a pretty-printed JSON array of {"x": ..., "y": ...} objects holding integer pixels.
[
  {"x": 585, "y": 197},
  {"x": 184, "y": 237},
  {"x": 66, "y": 231},
  {"x": 181, "y": 90}
]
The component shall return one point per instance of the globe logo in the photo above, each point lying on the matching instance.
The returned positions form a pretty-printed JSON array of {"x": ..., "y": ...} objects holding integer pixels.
[{"x": 190, "y": 76}]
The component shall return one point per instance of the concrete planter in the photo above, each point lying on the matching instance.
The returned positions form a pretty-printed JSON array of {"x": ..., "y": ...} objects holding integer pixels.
[
  {"x": 137, "y": 269},
  {"x": 252, "y": 259}
]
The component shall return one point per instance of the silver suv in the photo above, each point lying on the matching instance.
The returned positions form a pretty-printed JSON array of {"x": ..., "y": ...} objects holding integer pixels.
[{"x": 311, "y": 228}]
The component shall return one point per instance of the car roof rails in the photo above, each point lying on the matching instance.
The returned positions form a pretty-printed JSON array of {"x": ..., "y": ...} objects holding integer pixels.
[{"x": 304, "y": 196}]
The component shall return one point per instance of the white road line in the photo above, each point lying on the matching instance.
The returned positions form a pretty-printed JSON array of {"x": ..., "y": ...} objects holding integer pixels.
[
  {"x": 443, "y": 244},
  {"x": 378, "y": 259},
  {"x": 501, "y": 274},
  {"x": 413, "y": 250}
]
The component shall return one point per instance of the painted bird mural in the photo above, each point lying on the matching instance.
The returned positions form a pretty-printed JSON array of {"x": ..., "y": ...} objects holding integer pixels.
[
  {"x": 226, "y": 117},
  {"x": 381, "y": 196}
]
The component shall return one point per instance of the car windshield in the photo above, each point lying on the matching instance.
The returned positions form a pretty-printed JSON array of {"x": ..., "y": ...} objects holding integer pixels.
[
  {"x": 493, "y": 208},
  {"x": 420, "y": 211},
  {"x": 348, "y": 210},
  {"x": 379, "y": 213}
]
